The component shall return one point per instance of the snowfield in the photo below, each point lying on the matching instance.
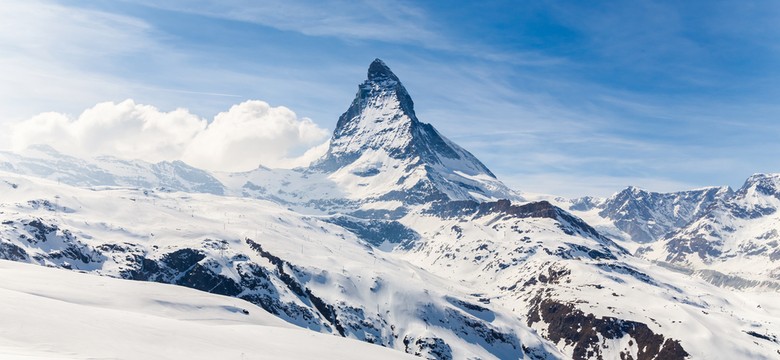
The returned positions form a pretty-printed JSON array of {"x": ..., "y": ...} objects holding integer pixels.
[
  {"x": 57, "y": 314},
  {"x": 303, "y": 268}
]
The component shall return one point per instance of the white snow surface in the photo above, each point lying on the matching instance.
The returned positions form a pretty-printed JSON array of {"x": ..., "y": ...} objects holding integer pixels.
[
  {"x": 57, "y": 314},
  {"x": 485, "y": 260},
  {"x": 489, "y": 258},
  {"x": 340, "y": 268}
]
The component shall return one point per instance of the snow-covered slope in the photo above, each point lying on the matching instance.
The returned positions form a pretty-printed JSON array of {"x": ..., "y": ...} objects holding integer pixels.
[
  {"x": 584, "y": 293},
  {"x": 303, "y": 269},
  {"x": 55, "y": 314},
  {"x": 736, "y": 243},
  {"x": 45, "y": 162},
  {"x": 470, "y": 279}
]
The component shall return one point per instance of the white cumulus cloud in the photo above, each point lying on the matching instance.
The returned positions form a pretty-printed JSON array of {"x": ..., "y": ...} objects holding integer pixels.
[
  {"x": 250, "y": 134},
  {"x": 124, "y": 129}
]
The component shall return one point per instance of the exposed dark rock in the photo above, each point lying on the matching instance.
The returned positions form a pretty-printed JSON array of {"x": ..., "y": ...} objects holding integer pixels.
[
  {"x": 367, "y": 173},
  {"x": 679, "y": 248},
  {"x": 594, "y": 254},
  {"x": 647, "y": 216},
  {"x": 288, "y": 280},
  {"x": 583, "y": 204},
  {"x": 39, "y": 230},
  {"x": 47, "y": 205},
  {"x": 428, "y": 347},
  {"x": 567, "y": 222},
  {"x": 555, "y": 275},
  {"x": 183, "y": 260},
  {"x": 771, "y": 338},
  {"x": 72, "y": 254},
  {"x": 753, "y": 212},
  {"x": 382, "y": 118},
  {"x": 201, "y": 278},
  {"x": 376, "y": 232},
  {"x": 10, "y": 251},
  {"x": 581, "y": 331},
  {"x": 251, "y": 186},
  {"x": 423, "y": 192},
  {"x": 625, "y": 269},
  {"x": 327, "y": 310}
]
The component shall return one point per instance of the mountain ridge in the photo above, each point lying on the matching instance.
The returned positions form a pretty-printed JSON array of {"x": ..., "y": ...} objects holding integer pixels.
[{"x": 735, "y": 243}]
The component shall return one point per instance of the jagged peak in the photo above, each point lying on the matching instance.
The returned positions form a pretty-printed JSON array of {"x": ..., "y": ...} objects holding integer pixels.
[
  {"x": 381, "y": 111},
  {"x": 629, "y": 190},
  {"x": 764, "y": 183},
  {"x": 634, "y": 190},
  {"x": 381, "y": 117},
  {"x": 380, "y": 131},
  {"x": 757, "y": 177},
  {"x": 379, "y": 71}
]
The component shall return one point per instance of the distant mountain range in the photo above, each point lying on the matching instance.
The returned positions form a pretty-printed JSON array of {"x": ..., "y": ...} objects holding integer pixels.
[{"x": 401, "y": 238}]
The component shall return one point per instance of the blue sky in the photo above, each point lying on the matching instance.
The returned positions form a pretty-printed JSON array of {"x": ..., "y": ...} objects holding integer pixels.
[{"x": 562, "y": 97}]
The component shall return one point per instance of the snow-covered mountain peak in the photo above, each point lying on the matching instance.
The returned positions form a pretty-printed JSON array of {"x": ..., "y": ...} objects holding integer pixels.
[
  {"x": 380, "y": 158},
  {"x": 760, "y": 184},
  {"x": 633, "y": 190},
  {"x": 380, "y": 117},
  {"x": 381, "y": 147},
  {"x": 379, "y": 71},
  {"x": 735, "y": 242}
]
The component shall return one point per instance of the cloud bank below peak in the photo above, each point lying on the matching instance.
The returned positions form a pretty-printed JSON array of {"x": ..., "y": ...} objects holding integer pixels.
[{"x": 248, "y": 135}]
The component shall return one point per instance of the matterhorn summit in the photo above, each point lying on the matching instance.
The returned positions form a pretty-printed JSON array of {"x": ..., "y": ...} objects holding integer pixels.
[{"x": 380, "y": 142}]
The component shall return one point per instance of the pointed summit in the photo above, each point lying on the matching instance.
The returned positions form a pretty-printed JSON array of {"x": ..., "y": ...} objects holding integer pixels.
[
  {"x": 380, "y": 117},
  {"x": 380, "y": 134},
  {"x": 379, "y": 71}
]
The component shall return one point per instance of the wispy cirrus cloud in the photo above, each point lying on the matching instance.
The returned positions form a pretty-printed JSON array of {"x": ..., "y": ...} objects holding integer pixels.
[
  {"x": 393, "y": 22},
  {"x": 400, "y": 21},
  {"x": 57, "y": 55}
]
